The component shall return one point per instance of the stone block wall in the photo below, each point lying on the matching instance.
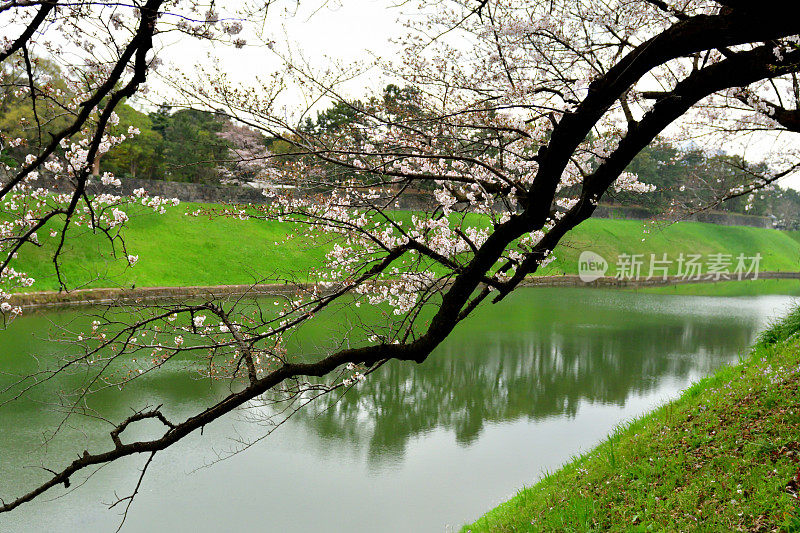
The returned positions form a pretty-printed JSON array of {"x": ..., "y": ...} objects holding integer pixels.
[{"x": 412, "y": 200}]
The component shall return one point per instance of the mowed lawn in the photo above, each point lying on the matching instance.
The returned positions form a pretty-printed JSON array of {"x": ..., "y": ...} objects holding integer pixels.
[
  {"x": 176, "y": 249},
  {"x": 180, "y": 250},
  {"x": 611, "y": 238}
]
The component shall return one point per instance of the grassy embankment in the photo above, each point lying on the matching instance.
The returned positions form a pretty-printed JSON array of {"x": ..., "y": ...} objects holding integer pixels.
[
  {"x": 723, "y": 457},
  {"x": 178, "y": 250}
]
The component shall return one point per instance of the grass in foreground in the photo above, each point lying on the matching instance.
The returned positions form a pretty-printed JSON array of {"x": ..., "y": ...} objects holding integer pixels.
[{"x": 723, "y": 457}]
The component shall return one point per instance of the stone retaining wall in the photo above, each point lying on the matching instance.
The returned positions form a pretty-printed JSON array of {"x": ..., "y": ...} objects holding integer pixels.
[
  {"x": 84, "y": 297},
  {"x": 713, "y": 217},
  {"x": 410, "y": 200}
]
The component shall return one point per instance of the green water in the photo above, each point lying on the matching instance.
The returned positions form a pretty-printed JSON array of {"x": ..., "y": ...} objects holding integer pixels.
[{"x": 516, "y": 391}]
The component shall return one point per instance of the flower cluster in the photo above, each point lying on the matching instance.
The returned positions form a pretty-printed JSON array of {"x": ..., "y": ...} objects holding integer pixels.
[{"x": 37, "y": 203}]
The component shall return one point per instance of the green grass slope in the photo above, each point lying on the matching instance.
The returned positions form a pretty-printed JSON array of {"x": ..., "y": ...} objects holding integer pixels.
[
  {"x": 723, "y": 457},
  {"x": 610, "y": 238},
  {"x": 175, "y": 249},
  {"x": 794, "y": 234}
]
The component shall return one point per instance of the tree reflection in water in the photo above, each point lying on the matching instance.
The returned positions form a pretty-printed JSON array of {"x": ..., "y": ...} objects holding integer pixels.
[
  {"x": 535, "y": 361},
  {"x": 539, "y": 354}
]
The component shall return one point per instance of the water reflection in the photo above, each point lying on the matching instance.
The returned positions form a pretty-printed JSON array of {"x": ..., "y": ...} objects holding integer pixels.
[
  {"x": 518, "y": 388},
  {"x": 544, "y": 370}
]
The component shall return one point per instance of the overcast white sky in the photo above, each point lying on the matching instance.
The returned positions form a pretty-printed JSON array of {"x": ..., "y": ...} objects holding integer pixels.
[{"x": 323, "y": 32}]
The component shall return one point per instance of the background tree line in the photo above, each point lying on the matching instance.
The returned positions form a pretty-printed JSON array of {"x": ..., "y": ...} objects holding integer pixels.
[
  {"x": 196, "y": 146},
  {"x": 686, "y": 178}
]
